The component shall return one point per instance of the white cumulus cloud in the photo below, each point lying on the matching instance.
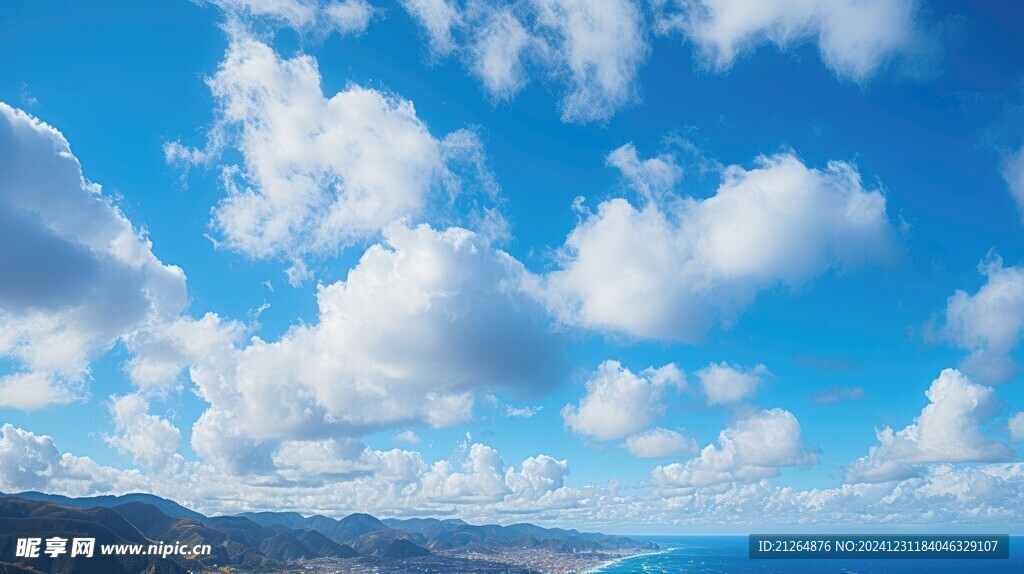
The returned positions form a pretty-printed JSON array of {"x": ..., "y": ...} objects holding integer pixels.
[
  {"x": 660, "y": 443},
  {"x": 619, "y": 403},
  {"x": 160, "y": 354},
  {"x": 989, "y": 322},
  {"x": 325, "y": 460},
  {"x": 537, "y": 476},
  {"x": 318, "y": 173},
  {"x": 393, "y": 483},
  {"x": 33, "y": 462},
  {"x": 31, "y": 391},
  {"x": 149, "y": 440},
  {"x": 724, "y": 383},
  {"x": 672, "y": 266},
  {"x": 948, "y": 430},
  {"x": 593, "y": 49},
  {"x": 855, "y": 37},
  {"x": 408, "y": 437},
  {"x": 1016, "y": 427},
  {"x": 408, "y": 338},
  {"x": 481, "y": 478},
  {"x": 81, "y": 276},
  {"x": 752, "y": 449}
]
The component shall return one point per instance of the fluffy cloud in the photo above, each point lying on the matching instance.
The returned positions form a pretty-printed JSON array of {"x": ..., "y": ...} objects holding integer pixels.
[
  {"x": 943, "y": 494},
  {"x": 149, "y": 440},
  {"x": 159, "y": 355},
  {"x": 1013, "y": 174},
  {"x": 482, "y": 478},
  {"x": 407, "y": 437},
  {"x": 392, "y": 485},
  {"x": 437, "y": 18},
  {"x": 334, "y": 476},
  {"x": 33, "y": 462},
  {"x": 31, "y": 391},
  {"x": 325, "y": 460},
  {"x": 537, "y": 476},
  {"x": 675, "y": 265},
  {"x": 855, "y": 37},
  {"x": 947, "y": 430},
  {"x": 221, "y": 440},
  {"x": 603, "y": 45},
  {"x": 407, "y": 338},
  {"x": 82, "y": 275},
  {"x": 660, "y": 443},
  {"x": 619, "y": 403},
  {"x": 1016, "y": 427},
  {"x": 724, "y": 383},
  {"x": 497, "y": 54},
  {"x": 594, "y": 48},
  {"x": 988, "y": 323},
  {"x": 28, "y": 460},
  {"x": 752, "y": 449},
  {"x": 318, "y": 173},
  {"x": 318, "y": 17}
]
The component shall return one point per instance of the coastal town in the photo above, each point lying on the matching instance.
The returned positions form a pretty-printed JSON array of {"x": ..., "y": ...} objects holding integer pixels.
[{"x": 508, "y": 561}]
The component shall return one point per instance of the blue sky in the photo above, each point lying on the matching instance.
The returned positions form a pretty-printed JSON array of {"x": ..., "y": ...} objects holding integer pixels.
[{"x": 933, "y": 124}]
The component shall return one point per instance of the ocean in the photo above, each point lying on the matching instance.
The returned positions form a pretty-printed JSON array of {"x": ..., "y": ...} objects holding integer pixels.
[{"x": 728, "y": 555}]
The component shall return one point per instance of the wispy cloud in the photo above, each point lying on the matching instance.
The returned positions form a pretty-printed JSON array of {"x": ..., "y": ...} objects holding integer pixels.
[{"x": 835, "y": 394}]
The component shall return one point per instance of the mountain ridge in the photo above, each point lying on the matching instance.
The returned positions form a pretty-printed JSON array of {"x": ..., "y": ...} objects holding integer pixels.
[
  {"x": 268, "y": 540},
  {"x": 169, "y": 507}
]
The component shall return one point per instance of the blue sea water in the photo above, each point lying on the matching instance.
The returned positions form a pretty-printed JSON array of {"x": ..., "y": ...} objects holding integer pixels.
[{"x": 728, "y": 555}]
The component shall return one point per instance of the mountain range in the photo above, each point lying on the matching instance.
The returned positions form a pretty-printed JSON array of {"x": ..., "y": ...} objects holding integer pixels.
[{"x": 256, "y": 540}]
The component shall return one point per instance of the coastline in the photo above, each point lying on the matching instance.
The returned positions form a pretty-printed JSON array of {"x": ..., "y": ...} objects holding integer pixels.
[{"x": 604, "y": 566}]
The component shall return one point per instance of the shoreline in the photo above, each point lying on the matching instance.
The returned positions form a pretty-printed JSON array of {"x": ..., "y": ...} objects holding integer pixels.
[{"x": 601, "y": 567}]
